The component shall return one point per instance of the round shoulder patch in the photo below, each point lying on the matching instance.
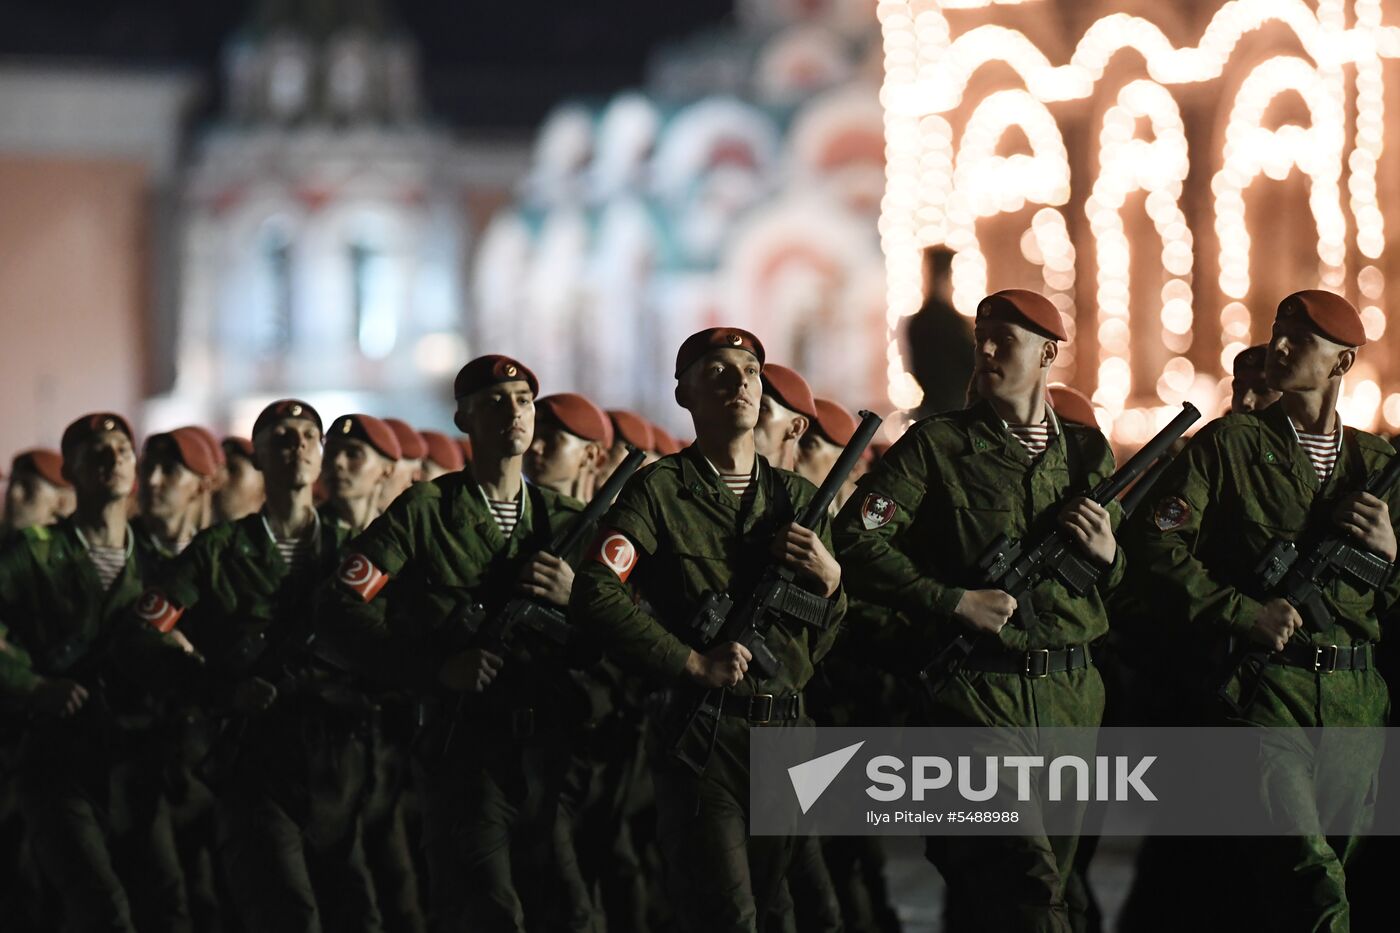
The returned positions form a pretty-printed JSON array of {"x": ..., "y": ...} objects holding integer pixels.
[{"x": 1171, "y": 513}]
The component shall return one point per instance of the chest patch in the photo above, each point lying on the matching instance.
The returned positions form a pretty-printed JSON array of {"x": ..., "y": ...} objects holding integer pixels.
[
  {"x": 876, "y": 511},
  {"x": 1171, "y": 513}
]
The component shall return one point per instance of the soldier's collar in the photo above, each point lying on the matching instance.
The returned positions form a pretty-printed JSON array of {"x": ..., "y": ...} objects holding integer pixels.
[
  {"x": 314, "y": 534},
  {"x": 128, "y": 547}
]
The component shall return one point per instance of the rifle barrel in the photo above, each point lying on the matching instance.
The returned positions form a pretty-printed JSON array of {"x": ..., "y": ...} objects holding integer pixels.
[
  {"x": 1110, "y": 488},
  {"x": 855, "y": 447},
  {"x": 599, "y": 504}
]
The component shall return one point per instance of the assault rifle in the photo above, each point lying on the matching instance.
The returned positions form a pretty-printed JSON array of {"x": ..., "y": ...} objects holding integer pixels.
[
  {"x": 1017, "y": 567},
  {"x": 522, "y": 617},
  {"x": 776, "y": 598},
  {"x": 1284, "y": 572}
]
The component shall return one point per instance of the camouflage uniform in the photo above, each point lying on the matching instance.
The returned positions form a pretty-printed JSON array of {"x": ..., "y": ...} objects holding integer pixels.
[
  {"x": 693, "y": 537},
  {"x": 290, "y": 780},
  {"x": 98, "y": 821},
  {"x": 499, "y": 854},
  {"x": 1242, "y": 482},
  {"x": 909, "y": 539}
]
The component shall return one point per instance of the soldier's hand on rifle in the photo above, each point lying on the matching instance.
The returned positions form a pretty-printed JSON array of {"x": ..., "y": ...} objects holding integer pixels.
[
  {"x": 58, "y": 697},
  {"x": 1368, "y": 519},
  {"x": 721, "y": 666},
  {"x": 985, "y": 610},
  {"x": 471, "y": 670},
  {"x": 1089, "y": 524},
  {"x": 1275, "y": 624},
  {"x": 549, "y": 578},
  {"x": 254, "y": 695},
  {"x": 801, "y": 549}
]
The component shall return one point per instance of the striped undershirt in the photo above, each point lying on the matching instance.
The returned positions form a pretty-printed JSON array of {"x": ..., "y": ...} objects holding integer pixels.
[
  {"x": 109, "y": 562},
  {"x": 297, "y": 553},
  {"x": 506, "y": 514},
  {"x": 741, "y": 484},
  {"x": 1322, "y": 451},
  {"x": 1034, "y": 437}
]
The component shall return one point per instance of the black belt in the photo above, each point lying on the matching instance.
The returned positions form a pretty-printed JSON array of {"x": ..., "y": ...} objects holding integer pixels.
[
  {"x": 1037, "y": 662},
  {"x": 1325, "y": 658},
  {"x": 763, "y": 707}
]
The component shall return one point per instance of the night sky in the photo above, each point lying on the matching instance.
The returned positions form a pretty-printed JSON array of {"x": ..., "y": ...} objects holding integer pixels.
[{"x": 487, "y": 63}]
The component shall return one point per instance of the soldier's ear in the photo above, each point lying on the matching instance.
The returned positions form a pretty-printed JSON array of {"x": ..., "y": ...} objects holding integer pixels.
[
  {"x": 798, "y": 427},
  {"x": 1345, "y": 360},
  {"x": 459, "y": 418},
  {"x": 1049, "y": 353},
  {"x": 682, "y": 396}
]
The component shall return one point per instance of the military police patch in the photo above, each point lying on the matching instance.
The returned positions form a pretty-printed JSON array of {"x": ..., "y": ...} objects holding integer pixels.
[
  {"x": 616, "y": 552},
  {"x": 876, "y": 511},
  {"x": 360, "y": 576},
  {"x": 1171, "y": 513},
  {"x": 157, "y": 611}
]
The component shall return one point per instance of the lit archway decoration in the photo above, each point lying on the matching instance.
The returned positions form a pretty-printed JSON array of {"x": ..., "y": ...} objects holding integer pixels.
[{"x": 933, "y": 63}]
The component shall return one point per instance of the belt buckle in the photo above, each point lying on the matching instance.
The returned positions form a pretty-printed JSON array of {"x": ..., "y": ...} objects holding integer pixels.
[
  {"x": 767, "y": 709},
  {"x": 1045, "y": 670},
  {"x": 1319, "y": 653}
]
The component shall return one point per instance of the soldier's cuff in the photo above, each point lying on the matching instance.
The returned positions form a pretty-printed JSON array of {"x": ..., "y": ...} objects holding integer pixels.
[
  {"x": 1243, "y": 620},
  {"x": 668, "y": 658},
  {"x": 1114, "y": 574},
  {"x": 947, "y": 600}
]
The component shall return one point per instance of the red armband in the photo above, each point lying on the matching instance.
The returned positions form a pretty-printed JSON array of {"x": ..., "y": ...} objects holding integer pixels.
[
  {"x": 616, "y": 551},
  {"x": 360, "y": 576},
  {"x": 158, "y": 612}
]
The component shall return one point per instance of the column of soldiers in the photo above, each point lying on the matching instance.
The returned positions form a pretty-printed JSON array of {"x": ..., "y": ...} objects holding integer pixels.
[{"x": 267, "y": 684}]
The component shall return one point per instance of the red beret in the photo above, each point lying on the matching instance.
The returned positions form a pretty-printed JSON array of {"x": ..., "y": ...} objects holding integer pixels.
[
  {"x": 410, "y": 442},
  {"x": 716, "y": 338},
  {"x": 578, "y": 416},
  {"x": 283, "y": 409},
  {"x": 89, "y": 425},
  {"x": 188, "y": 446},
  {"x": 1072, "y": 405},
  {"x": 633, "y": 429},
  {"x": 1031, "y": 307},
  {"x": 210, "y": 441},
  {"x": 834, "y": 423},
  {"x": 1333, "y": 316},
  {"x": 237, "y": 447},
  {"x": 466, "y": 444},
  {"x": 664, "y": 443},
  {"x": 443, "y": 451},
  {"x": 368, "y": 429},
  {"x": 46, "y": 463},
  {"x": 491, "y": 370},
  {"x": 790, "y": 389}
]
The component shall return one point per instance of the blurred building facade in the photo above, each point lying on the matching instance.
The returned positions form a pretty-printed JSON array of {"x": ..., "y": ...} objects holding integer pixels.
[{"x": 740, "y": 185}]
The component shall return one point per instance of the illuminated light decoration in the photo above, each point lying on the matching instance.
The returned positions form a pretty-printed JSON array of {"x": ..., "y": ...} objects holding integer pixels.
[
  {"x": 1391, "y": 410},
  {"x": 986, "y": 184},
  {"x": 1129, "y": 164},
  {"x": 929, "y": 70},
  {"x": 1251, "y": 151}
]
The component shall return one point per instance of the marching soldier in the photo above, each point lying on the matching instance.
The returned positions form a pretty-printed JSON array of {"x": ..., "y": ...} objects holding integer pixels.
[
  {"x": 1249, "y": 385},
  {"x": 1289, "y": 471},
  {"x": 500, "y": 729},
  {"x": 787, "y": 411},
  {"x": 910, "y": 539},
  {"x": 176, "y": 474},
  {"x": 444, "y": 455},
  {"x": 706, "y": 520},
  {"x": 572, "y": 436},
  {"x": 242, "y": 492},
  {"x": 34, "y": 494},
  {"x": 64, "y": 593},
  {"x": 359, "y": 460},
  {"x": 409, "y": 468},
  {"x": 291, "y": 766}
]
